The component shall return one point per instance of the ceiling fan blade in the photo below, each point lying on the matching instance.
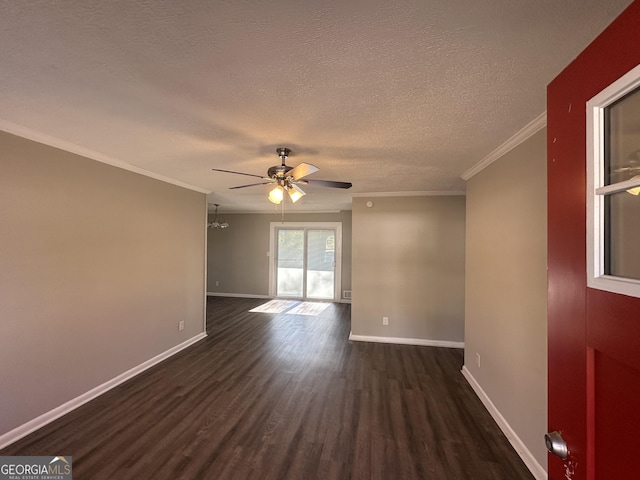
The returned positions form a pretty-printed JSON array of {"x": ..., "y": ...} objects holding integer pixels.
[
  {"x": 237, "y": 173},
  {"x": 250, "y": 185},
  {"x": 302, "y": 170},
  {"x": 328, "y": 183}
]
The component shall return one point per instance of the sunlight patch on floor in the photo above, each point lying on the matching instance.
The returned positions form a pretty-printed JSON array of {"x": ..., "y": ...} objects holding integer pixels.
[
  {"x": 292, "y": 307},
  {"x": 275, "y": 306},
  {"x": 308, "y": 308}
]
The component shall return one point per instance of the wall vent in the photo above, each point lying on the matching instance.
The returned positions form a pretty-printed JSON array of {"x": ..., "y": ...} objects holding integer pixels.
[{"x": 346, "y": 294}]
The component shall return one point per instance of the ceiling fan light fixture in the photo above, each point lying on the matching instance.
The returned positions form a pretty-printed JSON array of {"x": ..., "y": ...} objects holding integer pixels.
[
  {"x": 295, "y": 193},
  {"x": 285, "y": 177},
  {"x": 276, "y": 195}
]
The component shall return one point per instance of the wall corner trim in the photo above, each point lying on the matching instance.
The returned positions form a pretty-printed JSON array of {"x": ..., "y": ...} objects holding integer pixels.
[
  {"x": 48, "y": 417},
  {"x": 529, "y": 460},
  {"x": 406, "y": 341},
  {"x": 426, "y": 193},
  {"x": 526, "y": 132}
]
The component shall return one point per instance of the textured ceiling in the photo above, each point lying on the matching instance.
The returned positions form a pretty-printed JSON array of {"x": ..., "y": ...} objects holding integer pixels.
[{"x": 394, "y": 96}]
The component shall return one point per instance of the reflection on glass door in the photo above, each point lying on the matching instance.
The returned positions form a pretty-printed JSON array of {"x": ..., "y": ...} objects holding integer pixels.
[{"x": 306, "y": 263}]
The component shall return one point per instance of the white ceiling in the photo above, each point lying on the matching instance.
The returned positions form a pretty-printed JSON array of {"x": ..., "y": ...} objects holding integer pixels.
[{"x": 394, "y": 96}]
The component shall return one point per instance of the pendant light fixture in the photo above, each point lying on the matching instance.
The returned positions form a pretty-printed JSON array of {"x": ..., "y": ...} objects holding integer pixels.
[{"x": 217, "y": 222}]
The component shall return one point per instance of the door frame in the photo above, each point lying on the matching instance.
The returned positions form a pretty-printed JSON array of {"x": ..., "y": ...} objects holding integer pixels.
[{"x": 337, "y": 226}]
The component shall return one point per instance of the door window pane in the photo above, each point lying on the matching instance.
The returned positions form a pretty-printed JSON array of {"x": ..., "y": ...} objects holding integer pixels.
[
  {"x": 622, "y": 235},
  {"x": 622, "y": 209},
  {"x": 622, "y": 139},
  {"x": 613, "y": 186}
]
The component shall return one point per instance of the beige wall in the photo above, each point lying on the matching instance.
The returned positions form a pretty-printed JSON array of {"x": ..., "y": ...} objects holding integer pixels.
[
  {"x": 237, "y": 256},
  {"x": 97, "y": 267},
  {"x": 506, "y": 288},
  {"x": 408, "y": 265}
]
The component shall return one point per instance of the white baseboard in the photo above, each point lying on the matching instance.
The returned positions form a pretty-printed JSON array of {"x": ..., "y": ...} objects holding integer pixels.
[
  {"x": 406, "y": 341},
  {"x": 236, "y": 295},
  {"x": 249, "y": 295},
  {"x": 46, "y": 418},
  {"x": 529, "y": 460}
]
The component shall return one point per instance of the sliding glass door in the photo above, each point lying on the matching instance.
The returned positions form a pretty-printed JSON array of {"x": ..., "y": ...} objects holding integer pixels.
[{"x": 305, "y": 262}]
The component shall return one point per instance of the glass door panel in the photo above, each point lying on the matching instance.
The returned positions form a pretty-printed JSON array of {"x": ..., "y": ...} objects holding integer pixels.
[
  {"x": 321, "y": 246},
  {"x": 290, "y": 263}
]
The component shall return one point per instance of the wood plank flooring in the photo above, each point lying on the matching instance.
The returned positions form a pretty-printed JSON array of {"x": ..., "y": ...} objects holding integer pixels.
[{"x": 280, "y": 396}]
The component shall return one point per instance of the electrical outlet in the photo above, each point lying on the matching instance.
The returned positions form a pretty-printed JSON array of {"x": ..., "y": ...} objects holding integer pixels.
[
  {"x": 477, "y": 360},
  {"x": 181, "y": 326},
  {"x": 385, "y": 320},
  {"x": 217, "y": 283}
]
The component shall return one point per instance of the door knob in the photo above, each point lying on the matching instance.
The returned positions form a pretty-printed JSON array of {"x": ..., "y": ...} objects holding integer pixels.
[{"x": 556, "y": 444}]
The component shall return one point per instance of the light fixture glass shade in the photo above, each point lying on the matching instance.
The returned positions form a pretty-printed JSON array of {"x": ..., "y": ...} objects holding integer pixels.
[
  {"x": 295, "y": 193},
  {"x": 634, "y": 190},
  {"x": 276, "y": 195}
]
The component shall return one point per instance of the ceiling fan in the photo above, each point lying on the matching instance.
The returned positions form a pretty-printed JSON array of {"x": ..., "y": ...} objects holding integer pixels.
[{"x": 287, "y": 178}]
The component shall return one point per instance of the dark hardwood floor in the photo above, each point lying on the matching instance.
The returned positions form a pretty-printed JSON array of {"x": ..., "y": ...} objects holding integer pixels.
[{"x": 269, "y": 396}]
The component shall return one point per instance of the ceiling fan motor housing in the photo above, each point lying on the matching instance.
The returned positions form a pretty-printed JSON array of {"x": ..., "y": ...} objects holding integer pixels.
[{"x": 278, "y": 171}]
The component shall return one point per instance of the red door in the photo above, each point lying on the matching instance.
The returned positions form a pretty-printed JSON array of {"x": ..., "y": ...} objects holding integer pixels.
[{"x": 594, "y": 336}]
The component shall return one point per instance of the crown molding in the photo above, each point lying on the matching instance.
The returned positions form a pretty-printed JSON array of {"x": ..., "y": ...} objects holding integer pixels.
[
  {"x": 526, "y": 132},
  {"x": 434, "y": 193},
  {"x": 54, "y": 142}
]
